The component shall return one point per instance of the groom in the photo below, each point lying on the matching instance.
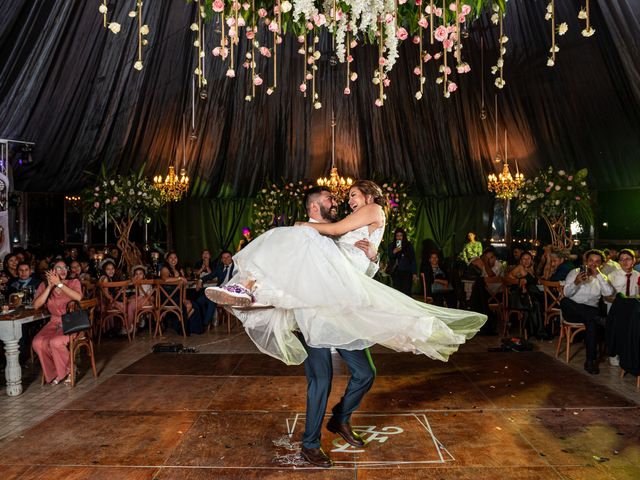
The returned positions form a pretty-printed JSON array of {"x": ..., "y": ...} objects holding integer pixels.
[{"x": 322, "y": 208}]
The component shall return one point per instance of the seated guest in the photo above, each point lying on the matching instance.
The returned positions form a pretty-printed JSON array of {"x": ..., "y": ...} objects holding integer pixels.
[
  {"x": 472, "y": 249},
  {"x": 489, "y": 281},
  {"x": 139, "y": 273},
  {"x": 610, "y": 264},
  {"x": 204, "y": 266},
  {"x": 10, "y": 269},
  {"x": 583, "y": 290},
  {"x": 220, "y": 276},
  {"x": 50, "y": 343},
  {"x": 438, "y": 283},
  {"x": 108, "y": 267},
  {"x": 72, "y": 257},
  {"x": 560, "y": 265},
  {"x": 172, "y": 273},
  {"x": 25, "y": 279},
  {"x": 624, "y": 281},
  {"x": 524, "y": 294}
]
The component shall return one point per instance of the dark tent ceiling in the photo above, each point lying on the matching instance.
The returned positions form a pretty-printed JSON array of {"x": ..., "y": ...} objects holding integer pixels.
[{"x": 69, "y": 85}]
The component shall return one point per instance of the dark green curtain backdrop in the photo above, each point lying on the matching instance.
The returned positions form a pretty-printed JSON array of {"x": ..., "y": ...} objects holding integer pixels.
[{"x": 216, "y": 224}]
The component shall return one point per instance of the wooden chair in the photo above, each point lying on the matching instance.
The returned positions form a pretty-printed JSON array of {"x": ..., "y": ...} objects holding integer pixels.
[
  {"x": 169, "y": 299},
  {"x": 509, "y": 312},
  {"x": 426, "y": 298},
  {"x": 109, "y": 308},
  {"x": 145, "y": 301},
  {"x": 83, "y": 339},
  {"x": 553, "y": 293},
  {"x": 223, "y": 315},
  {"x": 568, "y": 331},
  {"x": 496, "y": 304}
]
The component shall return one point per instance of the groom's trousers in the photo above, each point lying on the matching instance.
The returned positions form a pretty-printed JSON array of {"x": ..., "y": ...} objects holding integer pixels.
[{"x": 319, "y": 370}]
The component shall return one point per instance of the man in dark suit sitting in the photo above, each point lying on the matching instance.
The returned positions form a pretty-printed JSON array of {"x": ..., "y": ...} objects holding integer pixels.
[{"x": 220, "y": 276}]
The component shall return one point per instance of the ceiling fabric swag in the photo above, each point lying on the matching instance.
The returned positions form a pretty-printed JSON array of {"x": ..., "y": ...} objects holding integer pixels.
[{"x": 69, "y": 85}]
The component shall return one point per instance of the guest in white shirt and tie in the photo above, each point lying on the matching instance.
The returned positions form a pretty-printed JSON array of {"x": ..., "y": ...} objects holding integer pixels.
[{"x": 582, "y": 292}]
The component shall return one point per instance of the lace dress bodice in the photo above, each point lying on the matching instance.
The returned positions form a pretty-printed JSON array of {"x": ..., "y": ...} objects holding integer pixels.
[{"x": 356, "y": 256}]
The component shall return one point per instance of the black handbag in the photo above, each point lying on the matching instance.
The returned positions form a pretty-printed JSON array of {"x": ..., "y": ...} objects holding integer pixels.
[{"x": 76, "y": 320}]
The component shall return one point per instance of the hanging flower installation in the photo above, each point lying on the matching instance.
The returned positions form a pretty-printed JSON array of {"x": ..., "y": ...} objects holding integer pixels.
[
  {"x": 497, "y": 18},
  {"x": 585, "y": 14},
  {"x": 114, "y": 27},
  {"x": 560, "y": 30}
]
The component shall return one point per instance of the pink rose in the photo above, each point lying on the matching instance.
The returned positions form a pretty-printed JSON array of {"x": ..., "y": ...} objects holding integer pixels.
[
  {"x": 461, "y": 19},
  {"x": 241, "y": 22},
  {"x": 250, "y": 34},
  {"x": 246, "y": 6},
  {"x": 578, "y": 197},
  {"x": 303, "y": 87},
  {"x": 402, "y": 34},
  {"x": 273, "y": 27},
  {"x": 452, "y": 7},
  {"x": 261, "y": 12},
  {"x": 218, "y": 6},
  {"x": 416, "y": 71},
  {"x": 265, "y": 52},
  {"x": 426, "y": 57},
  {"x": 231, "y": 21},
  {"x": 96, "y": 205},
  {"x": 309, "y": 26},
  {"x": 349, "y": 58},
  {"x": 319, "y": 20},
  {"x": 378, "y": 102},
  {"x": 381, "y": 61},
  {"x": 570, "y": 177},
  {"x": 388, "y": 18},
  {"x": 418, "y": 2},
  {"x": 353, "y": 44},
  {"x": 231, "y": 73},
  {"x": 423, "y": 22},
  {"x": 548, "y": 189},
  {"x": 232, "y": 32},
  {"x": 447, "y": 43},
  {"x": 301, "y": 39},
  {"x": 216, "y": 52},
  {"x": 386, "y": 82},
  {"x": 347, "y": 91},
  {"x": 452, "y": 87},
  {"x": 447, "y": 70},
  {"x": 440, "y": 33},
  {"x": 257, "y": 80},
  {"x": 466, "y": 9}
]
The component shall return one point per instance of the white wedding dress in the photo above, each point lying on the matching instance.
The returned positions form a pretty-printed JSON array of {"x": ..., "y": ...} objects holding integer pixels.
[{"x": 318, "y": 287}]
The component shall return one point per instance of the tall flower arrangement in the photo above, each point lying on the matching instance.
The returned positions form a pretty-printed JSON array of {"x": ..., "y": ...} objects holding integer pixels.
[
  {"x": 558, "y": 198},
  {"x": 122, "y": 200}
]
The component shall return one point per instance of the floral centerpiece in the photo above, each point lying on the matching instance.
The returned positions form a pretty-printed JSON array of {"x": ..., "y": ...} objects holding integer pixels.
[
  {"x": 558, "y": 198},
  {"x": 123, "y": 200}
]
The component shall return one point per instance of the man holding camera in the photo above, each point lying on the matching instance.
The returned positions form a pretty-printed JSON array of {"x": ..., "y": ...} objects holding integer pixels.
[{"x": 584, "y": 288}]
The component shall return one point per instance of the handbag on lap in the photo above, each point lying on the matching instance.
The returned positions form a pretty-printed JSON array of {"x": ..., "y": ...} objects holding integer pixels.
[{"x": 76, "y": 320}]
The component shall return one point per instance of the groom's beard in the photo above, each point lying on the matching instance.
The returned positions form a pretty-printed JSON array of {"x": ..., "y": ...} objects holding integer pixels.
[{"x": 329, "y": 214}]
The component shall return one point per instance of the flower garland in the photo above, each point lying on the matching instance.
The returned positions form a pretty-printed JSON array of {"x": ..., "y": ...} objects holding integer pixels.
[{"x": 281, "y": 204}]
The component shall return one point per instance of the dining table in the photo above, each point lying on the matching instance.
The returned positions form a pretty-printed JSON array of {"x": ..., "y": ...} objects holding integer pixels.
[{"x": 11, "y": 322}]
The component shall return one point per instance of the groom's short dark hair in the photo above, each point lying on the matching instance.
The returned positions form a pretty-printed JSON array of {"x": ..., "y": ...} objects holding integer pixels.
[{"x": 313, "y": 192}]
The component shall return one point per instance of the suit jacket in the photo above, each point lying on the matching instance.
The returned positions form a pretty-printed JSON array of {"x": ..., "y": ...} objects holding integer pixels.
[{"x": 218, "y": 273}]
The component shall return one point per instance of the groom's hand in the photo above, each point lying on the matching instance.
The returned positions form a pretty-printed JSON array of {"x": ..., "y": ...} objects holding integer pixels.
[{"x": 368, "y": 249}]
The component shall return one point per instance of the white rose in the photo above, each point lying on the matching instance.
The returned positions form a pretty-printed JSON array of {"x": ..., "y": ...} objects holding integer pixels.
[
  {"x": 285, "y": 6},
  {"x": 114, "y": 27},
  {"x": 103, "y": 9}
]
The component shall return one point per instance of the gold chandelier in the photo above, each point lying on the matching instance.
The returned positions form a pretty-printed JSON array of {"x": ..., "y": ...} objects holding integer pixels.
[
  {"x": 173, "y": 187},
  {"x": 505, "y": 185},
  {"x": 338, "y": 185}
]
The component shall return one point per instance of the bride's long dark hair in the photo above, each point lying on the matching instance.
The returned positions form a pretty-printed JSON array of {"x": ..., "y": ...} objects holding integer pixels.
[{"x": 367, "y": 187}]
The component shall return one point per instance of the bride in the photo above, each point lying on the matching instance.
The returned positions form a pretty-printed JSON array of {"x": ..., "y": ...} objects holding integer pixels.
[{"x": 319, "y": 286}]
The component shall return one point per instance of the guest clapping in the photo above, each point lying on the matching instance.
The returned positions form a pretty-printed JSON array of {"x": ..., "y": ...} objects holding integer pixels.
[
  {"x": 203, "y": 266},
  {"x": 50, "y": 343}
]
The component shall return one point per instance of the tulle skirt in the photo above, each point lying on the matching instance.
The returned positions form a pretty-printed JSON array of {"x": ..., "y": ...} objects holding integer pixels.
[{"x": 318, "y": 292}]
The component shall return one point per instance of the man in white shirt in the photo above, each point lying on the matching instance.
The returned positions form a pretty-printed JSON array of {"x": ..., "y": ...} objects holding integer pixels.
[
  {"x": 610, "y": 265},
  {"x": 624, "y": 280},
  {"x": 582, "y": 292}
]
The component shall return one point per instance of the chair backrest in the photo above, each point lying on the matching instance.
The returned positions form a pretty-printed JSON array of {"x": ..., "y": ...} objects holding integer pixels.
[
  {"x": 169, "y": 296},
  {"x": 117, "y": 290},
  {"x": 145, "y": 292},
  {"x": 553, "y": 293},
  {"x": 498, "y": 297},
  {"x": 89, "y": 305}
]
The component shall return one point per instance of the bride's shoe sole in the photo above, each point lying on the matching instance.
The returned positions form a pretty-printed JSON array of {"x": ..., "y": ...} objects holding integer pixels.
[{"x": 222, "y": 297}]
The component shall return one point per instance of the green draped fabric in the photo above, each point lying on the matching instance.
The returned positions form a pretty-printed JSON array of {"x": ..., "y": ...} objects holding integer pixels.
[{"x": 215, "y": 224}]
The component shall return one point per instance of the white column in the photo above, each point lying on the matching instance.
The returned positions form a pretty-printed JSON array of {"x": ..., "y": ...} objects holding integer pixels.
[{"x": 10, "y": 334}]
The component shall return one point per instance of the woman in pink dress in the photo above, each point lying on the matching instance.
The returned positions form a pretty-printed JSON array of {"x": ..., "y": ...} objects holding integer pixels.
[{"x": 50, "y": 343}]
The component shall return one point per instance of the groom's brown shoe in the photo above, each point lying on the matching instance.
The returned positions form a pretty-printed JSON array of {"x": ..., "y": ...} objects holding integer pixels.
[
  {"x": 317, "y": 457},
  {"x": 345, "y": 431}
]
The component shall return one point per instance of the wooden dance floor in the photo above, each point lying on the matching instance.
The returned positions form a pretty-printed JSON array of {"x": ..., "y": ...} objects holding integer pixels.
[{"x": 241, "y": 416}]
